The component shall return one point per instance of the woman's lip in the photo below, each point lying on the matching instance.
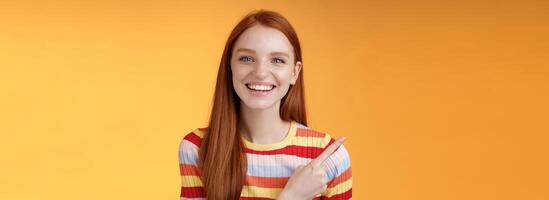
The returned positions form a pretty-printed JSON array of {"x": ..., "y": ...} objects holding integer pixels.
[
  {"x": 260, "y": 93},
  {"x": 247, "y": 86},
  {"x": 261, "y": 83}
]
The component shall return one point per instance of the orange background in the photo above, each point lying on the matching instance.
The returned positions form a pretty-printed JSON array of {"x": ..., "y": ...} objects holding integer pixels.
[{"x": 439, "y": 99}]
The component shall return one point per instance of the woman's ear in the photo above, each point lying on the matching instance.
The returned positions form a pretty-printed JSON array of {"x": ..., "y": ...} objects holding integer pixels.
[{"x": 295, "y": 72}]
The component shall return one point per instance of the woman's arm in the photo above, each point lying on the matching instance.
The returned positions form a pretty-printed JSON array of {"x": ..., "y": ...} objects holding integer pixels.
[
  {"x": 191, "y": 184},
  {"x": 339, "y": 172},
  {"x": 308, "y": 181}
]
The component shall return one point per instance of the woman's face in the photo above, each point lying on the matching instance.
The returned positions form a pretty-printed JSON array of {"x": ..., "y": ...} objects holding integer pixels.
[{"x": 263, "y": 68}]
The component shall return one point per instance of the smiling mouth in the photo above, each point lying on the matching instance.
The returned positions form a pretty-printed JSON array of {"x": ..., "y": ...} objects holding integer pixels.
[{"x": 260, "y": 88}]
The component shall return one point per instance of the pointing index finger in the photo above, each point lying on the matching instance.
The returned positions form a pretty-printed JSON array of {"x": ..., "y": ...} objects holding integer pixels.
[{"x": 327, "y": 152}]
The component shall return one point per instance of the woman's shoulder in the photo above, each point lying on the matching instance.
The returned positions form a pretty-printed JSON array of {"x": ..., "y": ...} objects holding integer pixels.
[
  {"x": 321, "y": 139},
  {"x": 189, "y": 146},
  {"x": 192, "y": 139},
  {"x": 307, "y": 133},
  {"x": 197, "y": 132}
]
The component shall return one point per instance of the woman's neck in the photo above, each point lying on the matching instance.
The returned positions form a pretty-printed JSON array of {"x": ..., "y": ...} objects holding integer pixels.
[{"x": 262, "y": 126}]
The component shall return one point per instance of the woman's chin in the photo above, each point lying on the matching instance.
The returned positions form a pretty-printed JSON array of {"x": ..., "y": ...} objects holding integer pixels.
[{"x": 259, "y": 105}]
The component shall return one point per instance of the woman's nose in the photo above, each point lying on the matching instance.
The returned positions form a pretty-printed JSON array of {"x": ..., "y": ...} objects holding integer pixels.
[{"x": 261, "y": 69}]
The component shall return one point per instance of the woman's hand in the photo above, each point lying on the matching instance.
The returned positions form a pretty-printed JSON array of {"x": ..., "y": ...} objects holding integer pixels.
[{"x": 309, "y": 180}]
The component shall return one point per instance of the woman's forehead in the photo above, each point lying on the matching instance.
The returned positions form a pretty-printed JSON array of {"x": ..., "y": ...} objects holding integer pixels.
[{"x": 263, "y": 40}]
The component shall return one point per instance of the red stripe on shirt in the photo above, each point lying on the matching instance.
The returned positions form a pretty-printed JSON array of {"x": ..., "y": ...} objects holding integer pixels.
[
  {"x": 341, "y": 178},
  {"x": 266, "y": 182},
  {"x": 189, "y": 170},
  {"x": 195, "y": 139},
  {"x": 309, "y": 133},
  {"x": 346, "y": 195},
  {"x": 301, "y": 151},
  {"x": 192, "y": 192}
]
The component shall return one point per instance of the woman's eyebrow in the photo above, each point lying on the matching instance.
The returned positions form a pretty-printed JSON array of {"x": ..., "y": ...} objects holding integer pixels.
[
  {"x": 272, "y": 53},
  {"x": 280, "y": 53},
  {"x": 244, "y": 49}
]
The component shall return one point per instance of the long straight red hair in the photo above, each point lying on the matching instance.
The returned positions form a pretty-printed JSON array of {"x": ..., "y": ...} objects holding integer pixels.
[{"x": 222, "y": 159}]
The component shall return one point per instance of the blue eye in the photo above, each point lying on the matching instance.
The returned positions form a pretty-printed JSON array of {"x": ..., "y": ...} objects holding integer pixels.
[
  {"x": 246, "y": 58},
  {"x": 281, "y": 61}
]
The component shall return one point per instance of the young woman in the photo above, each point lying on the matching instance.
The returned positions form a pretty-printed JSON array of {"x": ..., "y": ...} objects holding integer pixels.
[{"x": 257, "y": 144}]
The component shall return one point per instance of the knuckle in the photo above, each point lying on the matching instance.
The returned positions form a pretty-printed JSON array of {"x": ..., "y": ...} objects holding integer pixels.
[
  {"x": 324, "y": 180},
  {"x": 319, "y": 172}
]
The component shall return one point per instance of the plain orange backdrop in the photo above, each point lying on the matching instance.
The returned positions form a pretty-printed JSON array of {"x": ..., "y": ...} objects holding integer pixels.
[{"x": 438, "y": 99}]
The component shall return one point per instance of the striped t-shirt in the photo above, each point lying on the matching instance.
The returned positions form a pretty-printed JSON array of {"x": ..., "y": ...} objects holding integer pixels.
[{"x": 271, "y": 165}]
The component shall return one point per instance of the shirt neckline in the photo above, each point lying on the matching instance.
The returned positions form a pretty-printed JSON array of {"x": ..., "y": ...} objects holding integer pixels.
[{"x": 284, "y": 142}]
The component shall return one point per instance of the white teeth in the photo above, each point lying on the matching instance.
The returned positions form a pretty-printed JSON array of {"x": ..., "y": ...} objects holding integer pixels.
[{"x": 260, "y": 87}]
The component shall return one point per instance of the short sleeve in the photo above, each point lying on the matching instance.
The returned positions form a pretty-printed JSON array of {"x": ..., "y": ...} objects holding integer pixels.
[
  {"x": 191, "y": 184},
  {"x": 339, "y": 174}
]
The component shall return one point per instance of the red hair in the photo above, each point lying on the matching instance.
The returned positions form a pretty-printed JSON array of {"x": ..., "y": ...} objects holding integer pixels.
[{"x": 222, "y": 159}]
